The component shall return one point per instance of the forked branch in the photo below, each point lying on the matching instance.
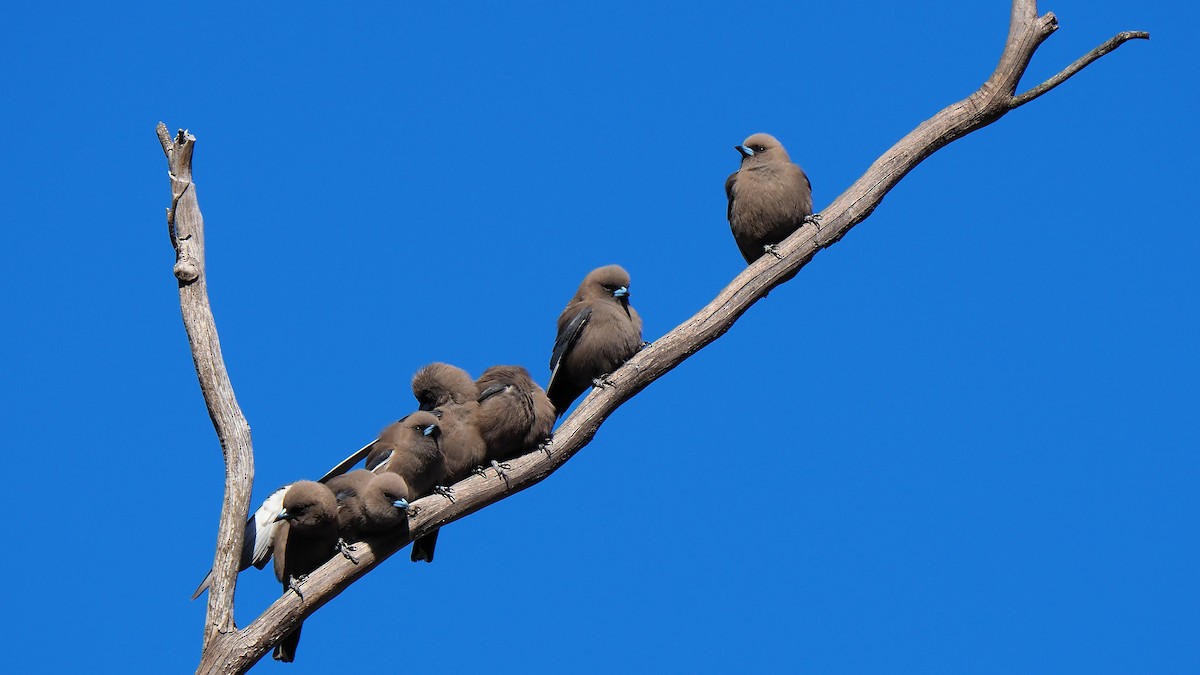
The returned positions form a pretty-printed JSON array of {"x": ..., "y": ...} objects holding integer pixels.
[{"x": 235, "y": 652}]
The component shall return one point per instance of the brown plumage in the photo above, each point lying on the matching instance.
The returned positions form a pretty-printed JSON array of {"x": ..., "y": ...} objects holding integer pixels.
[
  {"x": 450, "y": 393},
  {"x": 597, "y": 332},
  {"x": 306, "y": 540},
  {"x": 515, "y": 415},
  {"x": 769, "y": 196},
  {"x": 259, "y": 537},
  {"x": 411, "y": 448},
  {"x": 259, "y": 540},
  {"x": 438, "y": 384},
  {"x": 369, "y": 503}
]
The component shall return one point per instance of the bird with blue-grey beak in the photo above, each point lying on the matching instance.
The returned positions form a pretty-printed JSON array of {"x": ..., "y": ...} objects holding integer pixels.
[
  {"x": 597, "y": 332},
  {"x": 412, "y": 448},
  {"x": 307, "y": 539},
  {"x": 258, "y": 541},
  {"x": 368, "y": 503},
  {"x": 450, "y": 394},
  {"x": 769, "y": 197}
]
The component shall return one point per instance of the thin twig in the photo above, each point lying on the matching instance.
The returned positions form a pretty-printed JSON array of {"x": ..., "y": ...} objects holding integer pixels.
[{"x": 1079, "y": 64}]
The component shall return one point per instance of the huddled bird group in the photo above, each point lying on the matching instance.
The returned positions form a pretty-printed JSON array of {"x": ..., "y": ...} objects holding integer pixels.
[{"x": 462, "y": 425}]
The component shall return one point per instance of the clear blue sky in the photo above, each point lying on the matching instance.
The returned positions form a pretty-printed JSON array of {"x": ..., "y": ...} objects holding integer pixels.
[{"x": 963, "y": 440}]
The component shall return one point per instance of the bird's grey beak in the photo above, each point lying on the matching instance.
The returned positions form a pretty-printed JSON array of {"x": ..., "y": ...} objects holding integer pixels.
[
  {"x": 746, "y": 152},
  {"x": 429, "y": 429},
  {"x": 400, "y": 503},
  {"x": 283, "y": 515},
  {"x": 621, "y": 292}
]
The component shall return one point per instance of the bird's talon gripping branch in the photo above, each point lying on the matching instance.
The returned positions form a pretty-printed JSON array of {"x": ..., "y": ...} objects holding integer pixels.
[
  {"x": 344, "y": 548},
  {"x": 480, "y": 471},
  {"x": 502, "y": 469},
  {"x": 544, "y": 446},
  {"x": 815, "y": 219},
  {"x": 414, "y": 511},
  {"x": 295, "y": 582},
  {"x": 773, "y": 250},
  {"x": 447, "y": 492},
  {"x": 602, "y": 382}
]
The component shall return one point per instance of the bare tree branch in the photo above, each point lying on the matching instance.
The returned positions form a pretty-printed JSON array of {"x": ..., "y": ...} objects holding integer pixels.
[
  {"x": 1109, "y": 45},
  {"x": 237, "y": 653},
  {"x": 186, "y": 228}
]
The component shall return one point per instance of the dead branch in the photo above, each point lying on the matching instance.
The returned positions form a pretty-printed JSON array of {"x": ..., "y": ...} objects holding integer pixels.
[
  {"x": 226, "y": 651},
  {"x": 186, "y": 228}
]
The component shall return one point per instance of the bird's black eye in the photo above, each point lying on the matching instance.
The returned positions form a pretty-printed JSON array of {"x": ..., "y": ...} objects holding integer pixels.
[{"x": 758, "y": 148}]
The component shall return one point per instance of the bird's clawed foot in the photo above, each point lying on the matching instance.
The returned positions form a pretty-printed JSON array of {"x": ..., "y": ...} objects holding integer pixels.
[
  {"x": 644, "y": 345},
  {"x": 342, "y": 547},
  {"x": 295, "y": 582},
  {"x": 480, "y": 471},
  {"x": 502, "y": 469},
  {"x": 773, "y": 250},
  {"x": 603, "y": 381},
  {"x": 447, "y": 492},
  {"x": 544, "y": 446},
  {"x": 815, "y": 219},
  {"x": 414, "y": 511}
]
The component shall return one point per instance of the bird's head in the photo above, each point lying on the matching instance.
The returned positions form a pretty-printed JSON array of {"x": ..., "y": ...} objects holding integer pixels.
[
  {"x": 308, "y": 504},
  {"x": 611, "y": 281},
  {"x": 439, "y": 384},
  {"x": 424, "y": 423},
  {"x": 761, "y": 148},
  {"x": 393, "y": 488}
]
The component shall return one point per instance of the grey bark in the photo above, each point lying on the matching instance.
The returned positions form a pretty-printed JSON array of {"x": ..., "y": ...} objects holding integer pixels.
[
  {"x": 227, "y": 650},
  {"x": 185, "y": 226}
]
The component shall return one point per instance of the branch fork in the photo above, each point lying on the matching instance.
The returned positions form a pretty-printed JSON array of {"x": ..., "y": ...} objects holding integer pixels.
[{"x": 229, "y": 650}]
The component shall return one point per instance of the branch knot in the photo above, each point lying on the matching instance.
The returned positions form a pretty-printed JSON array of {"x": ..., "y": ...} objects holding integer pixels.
[{"x": 186, "y": 270}]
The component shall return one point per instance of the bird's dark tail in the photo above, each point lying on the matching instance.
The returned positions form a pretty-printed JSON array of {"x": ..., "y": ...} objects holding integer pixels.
[
  {"x": 286, "y": 649},
  {"x": 422, "y": 549}
]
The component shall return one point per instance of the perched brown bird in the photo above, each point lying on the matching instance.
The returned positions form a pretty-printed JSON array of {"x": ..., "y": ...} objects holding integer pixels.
[
  {"x": 597, "y": 332},
  {"x": 515, "y": 415},
  {"x": 450, "y": 393},
  {"x": 769, "y": 196},
  {"x": 306, "y": 540},
  {"x": 411, "y": 448},
  {"x": 258, "y": 541},
  {"x": 440, "y": 384},
  {"x": 369, "y": 503}
]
